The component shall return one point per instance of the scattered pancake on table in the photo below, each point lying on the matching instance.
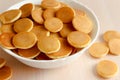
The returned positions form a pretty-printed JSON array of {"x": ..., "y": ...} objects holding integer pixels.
[
  {"x": 5, "y": 71},
  {"x": 114, "y": 45},
  {"x": 98, "y": 50},
  {"x": 108, "y": 35},
  {"x": 111, "y": 44},
  {"x": 49, "y": 28},
  {"x": 2, "y": 62},
  {"x": 107, "y": 68}
]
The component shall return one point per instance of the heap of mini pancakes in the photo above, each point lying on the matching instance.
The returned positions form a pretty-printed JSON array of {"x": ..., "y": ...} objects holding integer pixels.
[
  {"x": 50, "y": 30},
  {"x": 111, "y": 44},
  {"x": 5, "y": 71}
]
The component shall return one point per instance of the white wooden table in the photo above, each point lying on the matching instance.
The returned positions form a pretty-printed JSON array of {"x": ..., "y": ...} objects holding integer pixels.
[{"x": 108, "y": 12}]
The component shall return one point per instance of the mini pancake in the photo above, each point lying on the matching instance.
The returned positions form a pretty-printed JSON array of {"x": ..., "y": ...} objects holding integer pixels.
[
  {"x": 111, "y": 34},
  {"x": 55, "y": 35},
  {"x": 49, "y": 45},
  {"x": 50, "y": 4},
  {"x": 107, "y": 69},
  {"x": 24, "y": 40},
  {"x": 7, "y": 28},
  {"x": 49, "y": 13},
  {"x": 114, "y": 45},
  {"x": 66, "y": 14},
  {"x": 67, "y": 28},
  {"x": 23, "y": 25},
  {"x": 79, "y": 12},
  {"x": 65, "y": 50},
  {"x": 82, "y": 23},
  {"x": 10, "y": 16},
  {"x": 26, "y": 9},
  {"x": 42, "y": 56},
  {"x": 40, "y": 31},
  {"x": 29, "y": 53},
  {"x": 6, "y": 40},
  {"x": 53, "y": 24},
  {"x": 2, "y": 62},
  {"x": 5, "y": 73},
  {"x": 98, "y": 50},
  {"x": 78, "y": 39},
  {"x": 37, "y": 15}
]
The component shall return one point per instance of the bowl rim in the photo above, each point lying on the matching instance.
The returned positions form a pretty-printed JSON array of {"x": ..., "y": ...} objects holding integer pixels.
[{"x": 54, "y": 60}]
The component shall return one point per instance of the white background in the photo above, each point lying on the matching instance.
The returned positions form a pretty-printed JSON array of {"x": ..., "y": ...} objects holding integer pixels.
[{"x": 108, "y": 12}]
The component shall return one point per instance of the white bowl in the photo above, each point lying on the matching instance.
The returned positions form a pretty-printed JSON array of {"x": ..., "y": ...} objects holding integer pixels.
[{"x": 47, "y": 64}]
